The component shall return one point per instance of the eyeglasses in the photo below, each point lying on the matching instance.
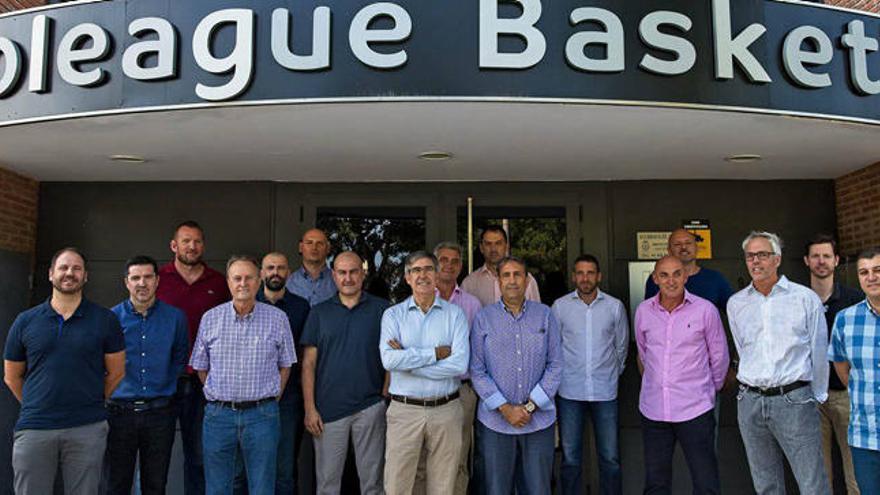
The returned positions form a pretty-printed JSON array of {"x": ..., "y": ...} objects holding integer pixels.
[
  {"x": 418, "y": 270},
  {"x": 760, "y": 255}
]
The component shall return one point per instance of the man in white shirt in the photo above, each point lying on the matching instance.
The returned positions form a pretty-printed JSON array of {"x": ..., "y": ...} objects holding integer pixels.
[{"x": 780, "y": 332}]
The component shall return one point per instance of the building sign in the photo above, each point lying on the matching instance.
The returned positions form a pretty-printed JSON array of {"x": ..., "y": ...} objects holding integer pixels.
[
  {"x": 133, "y": 55},
  {"x": 703, "y": 233},
  {"x": 652, "y": 245}
]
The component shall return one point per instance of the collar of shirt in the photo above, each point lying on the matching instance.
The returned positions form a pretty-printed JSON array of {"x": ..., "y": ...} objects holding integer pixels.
[
  {"x": 655, "y": 302},
  {"x": 599, "y": 296},
  {"x": 237, "y": 317},
  {"x": 363, "y": 299},
  {"x": 128, "y": 306},
  {"x": 522, "y": 310},
  {"x": 871, "y": 308},
  {"x": 782, "y": 284},
  {"x": 411, "y": 303},
  {"x": 170, "y": 270},
  {"x": 304, "y": 274},
  {"x": 49, "y": 311}
]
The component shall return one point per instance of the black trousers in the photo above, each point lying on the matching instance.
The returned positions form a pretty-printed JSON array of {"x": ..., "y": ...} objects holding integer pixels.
[
  {"x": 148, "y": 433},
  {"x": 697, "y": 439}
]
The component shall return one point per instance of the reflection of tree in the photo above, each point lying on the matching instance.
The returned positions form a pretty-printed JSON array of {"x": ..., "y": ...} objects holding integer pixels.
[{"x": 384, "y": 244}]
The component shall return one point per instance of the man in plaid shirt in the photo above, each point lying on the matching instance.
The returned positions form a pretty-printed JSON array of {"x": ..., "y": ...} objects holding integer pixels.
[
  {"x": 855, "y": 352},
  {"x": 243, "y": 354}
]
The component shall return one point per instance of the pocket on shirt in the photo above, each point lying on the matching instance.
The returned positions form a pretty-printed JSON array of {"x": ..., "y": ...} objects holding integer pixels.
[{"x": 535, "y": 338}]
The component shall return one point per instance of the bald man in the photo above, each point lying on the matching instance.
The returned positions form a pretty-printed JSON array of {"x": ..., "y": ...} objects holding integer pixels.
[
  {"x": 313, "y": 281},
  {"x": 704, "y": 282}
]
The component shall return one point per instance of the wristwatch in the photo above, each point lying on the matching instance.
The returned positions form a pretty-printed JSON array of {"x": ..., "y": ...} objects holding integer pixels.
[{"x": 530, "y": 407}]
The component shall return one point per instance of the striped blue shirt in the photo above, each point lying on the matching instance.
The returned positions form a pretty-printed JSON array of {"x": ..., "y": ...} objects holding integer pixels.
[
  {"x": 856, "y": 340},
  {"x": 243, "y": 354},
  {"x": 313, "y": 290}
]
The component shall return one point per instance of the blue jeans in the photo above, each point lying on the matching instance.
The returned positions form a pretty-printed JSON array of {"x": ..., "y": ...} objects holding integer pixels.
[
  {"x": 191, "y": 401},
  {"x": 249, "y": 433},
  {"x": 573, "y": 415},
  {"x": 290, "y": 411},
  {"x": 525, "y": 461},
  {"x": 697, "y": 439},
  {"x": 778, "y": 427},
  {"x": 867, "y": 465}
]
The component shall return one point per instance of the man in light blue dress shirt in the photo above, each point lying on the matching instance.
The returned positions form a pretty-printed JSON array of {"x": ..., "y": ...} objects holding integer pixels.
[
  {"x": 595, "y": 338},
  {"x": 313, "y": 281},
  {"x": 425, "y": 346}
]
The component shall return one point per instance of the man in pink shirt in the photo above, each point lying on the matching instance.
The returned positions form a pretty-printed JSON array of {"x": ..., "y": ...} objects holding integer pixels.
[
  {"x": 483, "y": 282},
  {"x": 683, "y": 359}
]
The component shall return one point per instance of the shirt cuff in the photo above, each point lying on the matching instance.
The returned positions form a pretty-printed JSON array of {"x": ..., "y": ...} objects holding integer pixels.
[
  {"x": 495, "y": 401},
  {"x": 540, "y": 398}
]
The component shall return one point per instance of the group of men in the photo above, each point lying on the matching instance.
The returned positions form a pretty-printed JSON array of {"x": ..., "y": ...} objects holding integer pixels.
[{"x": 451, "y": 388}]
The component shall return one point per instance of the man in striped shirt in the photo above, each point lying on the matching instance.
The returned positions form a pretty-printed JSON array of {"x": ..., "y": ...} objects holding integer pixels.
[
  {"x": 243, "y": 354},
  {"x": 855, "y": 351}
]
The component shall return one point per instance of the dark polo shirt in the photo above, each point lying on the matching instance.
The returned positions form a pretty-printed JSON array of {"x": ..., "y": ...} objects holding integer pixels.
[
  {"x": 841, "y": 298},
  {"x": 349, "y": 375},
  {"x": 297, "y": 310},
  {"x": 64, "y": 383},
  {"x": 208, "y": 291}
]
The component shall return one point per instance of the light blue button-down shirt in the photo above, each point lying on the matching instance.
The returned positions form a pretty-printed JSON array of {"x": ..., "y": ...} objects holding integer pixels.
[
  {"x": 415, "y": 371},
  {"x": 313, "y": 290},
  {"x": 595, "y": 338},
  {"x": 781, "y": 338}
]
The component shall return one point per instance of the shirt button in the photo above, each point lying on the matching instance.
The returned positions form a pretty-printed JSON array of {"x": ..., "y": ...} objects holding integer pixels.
[
  {"x": 143, "y": 354},
  {"x": 520, "y": 386},
  {"x": 143, "y": 371},
  {"x": 519, "y": 369}
]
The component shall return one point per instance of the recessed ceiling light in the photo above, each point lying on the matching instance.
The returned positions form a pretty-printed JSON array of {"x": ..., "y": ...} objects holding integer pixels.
[
  {"x": 133, "y": 159},
  {"x": 744, "y": 158},
  {"x": 435, "y": 156}
]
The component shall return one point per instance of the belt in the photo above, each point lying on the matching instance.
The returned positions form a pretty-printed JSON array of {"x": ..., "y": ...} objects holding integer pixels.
[
  {"x": 236, "y": 406},
  {"x": 774, "y": 391},
  {"x": 139, "y": 405},
  {"x": 467, "y": 382},
  {"x": 439, "y": 401}
]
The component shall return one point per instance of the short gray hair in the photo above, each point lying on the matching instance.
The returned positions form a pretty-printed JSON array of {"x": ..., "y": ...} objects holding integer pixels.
[
  {"x": 773, "y": 239},
  {"x": 448, "y": 245},
  {"x": 416, "y": 256},
  {"x": 511, "y": 259},
  {"x": 235, "y": 258}
]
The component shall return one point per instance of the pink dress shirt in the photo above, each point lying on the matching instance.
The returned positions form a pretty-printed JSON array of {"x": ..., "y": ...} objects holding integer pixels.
[
  {"x": 684, "y": 354},
  {"x": 483, "y": 284}
]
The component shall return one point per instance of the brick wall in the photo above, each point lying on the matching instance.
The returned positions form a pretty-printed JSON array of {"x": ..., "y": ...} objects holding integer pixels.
[
  {"x": 869, "y": 5},
  {"x": 858, "y": 209},
  {"x": 10, "y": 5},
  {"x": 18, "y": 212}
]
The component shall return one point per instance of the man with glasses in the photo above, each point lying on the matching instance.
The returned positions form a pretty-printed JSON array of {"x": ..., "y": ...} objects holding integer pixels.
[
  {"x": 780, "y": 332},
  {"x": 425, "y": 347}
]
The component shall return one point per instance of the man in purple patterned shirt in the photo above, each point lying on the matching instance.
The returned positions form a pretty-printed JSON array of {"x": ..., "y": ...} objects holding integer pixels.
[
  {"x": 516, "y": 367},
  {"x": 243, "y": 354}
]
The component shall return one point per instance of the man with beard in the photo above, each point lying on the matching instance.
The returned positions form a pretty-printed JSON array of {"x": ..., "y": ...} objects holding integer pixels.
[
  {"x": 483, "y": 283},
  {"x": 63, "y": 359},
  {"x": 273, "y": 273},
  {"x": 594, "y": 346},
  {"x": 142, "y": 412},
  {"x": 821, "y": 258},
  {"x": 313, "y": 281},
  {"x": 189, "y": 284}
]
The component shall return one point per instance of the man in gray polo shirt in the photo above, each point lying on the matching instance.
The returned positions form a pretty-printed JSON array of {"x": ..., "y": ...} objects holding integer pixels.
[{"x": 342, "y": 380}]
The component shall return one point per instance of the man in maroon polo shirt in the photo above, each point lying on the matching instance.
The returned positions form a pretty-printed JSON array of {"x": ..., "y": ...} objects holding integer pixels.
[{"x": 189, "y": 284}]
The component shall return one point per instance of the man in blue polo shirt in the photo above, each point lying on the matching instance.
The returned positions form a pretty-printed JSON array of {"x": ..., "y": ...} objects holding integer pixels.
[
  {"x": 343, "y": 378},
  {"x": 63, "y": 358},
  {"x": 142, "y": 411}
]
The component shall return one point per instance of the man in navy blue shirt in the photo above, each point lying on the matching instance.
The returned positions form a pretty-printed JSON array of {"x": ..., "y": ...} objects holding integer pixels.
[
  {"x": 142, "y": 412},
  {"x": 274, "y": 271},
  {"x": 704, "y": 282},
  {"x": 63, "y": 359}
]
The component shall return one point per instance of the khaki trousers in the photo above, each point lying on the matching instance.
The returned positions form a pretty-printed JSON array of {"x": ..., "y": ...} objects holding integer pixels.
[
  {"x": 834, "y": 420},
  {"x": 412, "y": 430}
]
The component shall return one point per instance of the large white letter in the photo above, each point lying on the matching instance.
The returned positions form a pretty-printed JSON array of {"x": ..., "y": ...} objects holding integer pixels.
[
  {"x": 240, "y": 61},
  {"x": 39, "y": 62},
  {"x": 491, "y": 27},
  {"x": 684, "y": 51},
  {"x": 859, "y": 46},
  {"x": 360, "y": 36},
  {"x": 794, "y": 58},
  {"x": 611, "y": 37},
  {"x": 165, "y": 48},
  {"x": 281, "y": 34},
  {"x": 11, "y": 53},
  {"x": 69, "y": 56},
  {"x": 729, "y": 49}
]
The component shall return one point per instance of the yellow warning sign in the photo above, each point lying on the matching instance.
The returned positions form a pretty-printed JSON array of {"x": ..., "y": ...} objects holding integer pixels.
[{"x": 703, "y": 233}]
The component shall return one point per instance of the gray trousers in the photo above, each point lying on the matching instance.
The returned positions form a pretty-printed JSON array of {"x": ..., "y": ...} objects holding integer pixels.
[
  {"x": 36, "y": 455},
  {"x": 366, "y": 429},
  {"x": 783, "y": 425}
]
